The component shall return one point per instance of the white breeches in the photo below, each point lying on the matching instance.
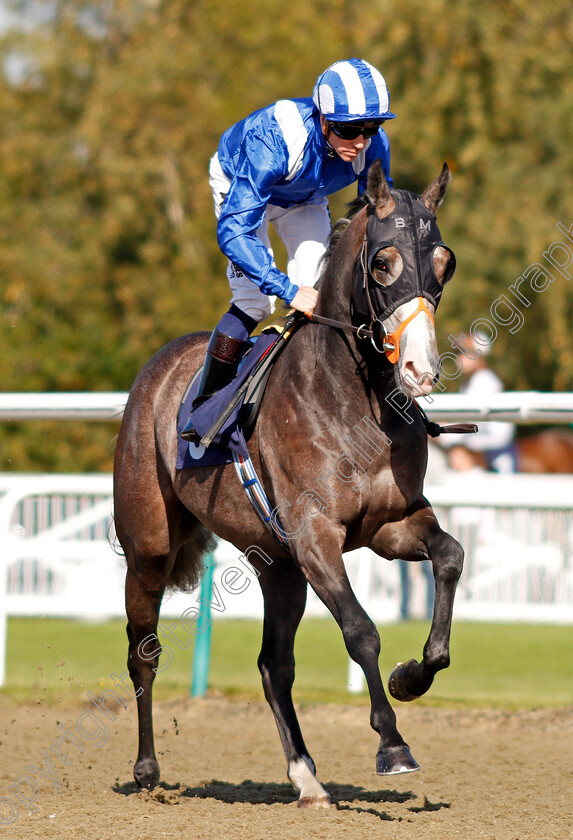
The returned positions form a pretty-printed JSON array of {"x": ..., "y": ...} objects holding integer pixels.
[{"x": 303, "y": 229}]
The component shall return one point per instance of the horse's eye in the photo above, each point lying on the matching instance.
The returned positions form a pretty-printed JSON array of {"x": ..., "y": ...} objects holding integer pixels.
[{"x": 386, "y": 265}]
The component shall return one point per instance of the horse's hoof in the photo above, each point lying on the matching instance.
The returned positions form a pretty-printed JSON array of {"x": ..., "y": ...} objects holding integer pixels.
[
  {"x": 397, "y": 682},
  {"x": 393, "y": 760},
  {"x": 146, "y": 773},
  {"x": 314, "y": 801}
]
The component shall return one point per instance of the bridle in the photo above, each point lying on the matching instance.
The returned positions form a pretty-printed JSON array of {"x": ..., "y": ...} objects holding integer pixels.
[{"x": 382, "y": 341}]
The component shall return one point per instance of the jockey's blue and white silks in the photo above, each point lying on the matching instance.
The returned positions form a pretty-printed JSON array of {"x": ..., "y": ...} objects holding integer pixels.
[
  {"x": 352, "y": 90},
  {"x": 278, "y": 157}
]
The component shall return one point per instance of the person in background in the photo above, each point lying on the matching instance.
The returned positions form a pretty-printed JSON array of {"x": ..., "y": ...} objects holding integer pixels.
[
  {"x": 406, "y": 569},
  {"x": 492, "y": 446},
  {"x": 278, "y": 166}
]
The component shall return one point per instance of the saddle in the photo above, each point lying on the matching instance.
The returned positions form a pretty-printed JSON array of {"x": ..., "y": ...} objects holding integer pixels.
[
  {"x": 249, "y": 395},
  {"x": 228, "y": 418}
]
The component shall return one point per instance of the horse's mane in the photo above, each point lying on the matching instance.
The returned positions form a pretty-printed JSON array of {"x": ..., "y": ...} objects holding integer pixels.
[{"x": 340, "y": 226}]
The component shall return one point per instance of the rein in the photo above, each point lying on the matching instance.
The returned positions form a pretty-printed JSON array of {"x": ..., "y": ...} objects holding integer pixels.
[{"x": 362, "y": 331}]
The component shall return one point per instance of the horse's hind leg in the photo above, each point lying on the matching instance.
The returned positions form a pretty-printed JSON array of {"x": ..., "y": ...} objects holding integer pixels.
[
  {"x": 144, "y": 587},
  {"x": 147, "y": 576},
  {"x": 284, "y": 590}
]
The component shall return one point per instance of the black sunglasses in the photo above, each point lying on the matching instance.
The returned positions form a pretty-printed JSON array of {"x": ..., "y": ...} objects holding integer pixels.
[{"x": 350, "y": 131}]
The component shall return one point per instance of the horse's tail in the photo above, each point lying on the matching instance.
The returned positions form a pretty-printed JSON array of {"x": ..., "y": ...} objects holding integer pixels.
[{"x": 188, "y": 566}]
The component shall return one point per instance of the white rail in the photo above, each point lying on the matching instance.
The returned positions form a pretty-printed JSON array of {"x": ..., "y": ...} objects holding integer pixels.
[
  {"x": 62, "y": 406},
  {"x": 510, "y": 406}
]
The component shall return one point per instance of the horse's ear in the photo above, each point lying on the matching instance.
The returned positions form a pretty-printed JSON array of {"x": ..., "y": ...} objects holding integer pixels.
[
  {"x": 434, "y": 194},
  {"x": 378, "y": 188}
]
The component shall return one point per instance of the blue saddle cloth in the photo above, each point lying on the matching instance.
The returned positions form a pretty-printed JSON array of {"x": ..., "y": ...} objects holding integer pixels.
[{"x": 230, "y": 437}]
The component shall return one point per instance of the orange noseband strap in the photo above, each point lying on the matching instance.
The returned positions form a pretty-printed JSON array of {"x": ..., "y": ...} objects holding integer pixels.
[{"x": 394, "y": 338}]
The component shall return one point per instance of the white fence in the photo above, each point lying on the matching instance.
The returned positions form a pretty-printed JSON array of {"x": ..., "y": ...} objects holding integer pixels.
[
  {"x": 56, "y": 533},
  {"x": 59, "y": 559}
]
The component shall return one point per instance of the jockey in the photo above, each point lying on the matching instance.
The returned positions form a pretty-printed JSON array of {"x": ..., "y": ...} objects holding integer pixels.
[{"x": 278, "y": 165}]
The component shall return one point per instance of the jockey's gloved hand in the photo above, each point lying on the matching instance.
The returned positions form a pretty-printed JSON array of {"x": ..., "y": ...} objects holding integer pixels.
[{"x": 305, "y": 299}]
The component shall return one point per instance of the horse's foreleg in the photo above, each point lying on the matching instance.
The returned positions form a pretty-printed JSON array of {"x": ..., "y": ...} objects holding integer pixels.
[
  {"x": 284, "y": 591},
  {"x": 412, "y": 679},
  {"x": 329, "y": 580},
  {"x": 143, "y": 601}
]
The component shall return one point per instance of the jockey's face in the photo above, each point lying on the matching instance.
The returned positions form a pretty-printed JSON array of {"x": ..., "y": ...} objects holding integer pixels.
[{"x": 346, "y": 150}]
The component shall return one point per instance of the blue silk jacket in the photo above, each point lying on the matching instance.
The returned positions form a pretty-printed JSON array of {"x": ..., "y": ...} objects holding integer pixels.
[{"x": 278, "y": 156}]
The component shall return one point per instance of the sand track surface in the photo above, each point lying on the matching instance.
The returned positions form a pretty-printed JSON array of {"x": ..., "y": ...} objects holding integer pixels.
[{"x": 485, "y": 774}]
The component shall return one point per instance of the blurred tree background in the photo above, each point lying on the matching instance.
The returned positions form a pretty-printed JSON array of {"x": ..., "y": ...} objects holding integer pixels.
[{"x": 110, "y": 112}]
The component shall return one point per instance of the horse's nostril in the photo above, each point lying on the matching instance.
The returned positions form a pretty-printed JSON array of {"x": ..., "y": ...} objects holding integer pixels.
[
  {"x": 418, "y": 379},
  {"x": 413, "y": 370}
]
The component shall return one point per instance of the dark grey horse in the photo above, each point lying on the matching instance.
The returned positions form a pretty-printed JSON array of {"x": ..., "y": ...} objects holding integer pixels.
[{"x": 341, "y": 453}]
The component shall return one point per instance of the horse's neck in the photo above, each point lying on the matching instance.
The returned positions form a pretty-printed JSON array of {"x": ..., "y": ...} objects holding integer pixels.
[
  {"x": 336, "y": 284},
  {"x": 332, "y": 400},
  {"x": 332, "y": 374},
  {"x": 327, "y": 360}
]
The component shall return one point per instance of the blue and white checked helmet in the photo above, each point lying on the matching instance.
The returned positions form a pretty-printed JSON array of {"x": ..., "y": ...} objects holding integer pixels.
[{"x": 352, "y": 90}]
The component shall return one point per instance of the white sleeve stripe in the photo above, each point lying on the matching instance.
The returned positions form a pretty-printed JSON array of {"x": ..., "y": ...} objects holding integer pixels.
[{"x": 295, "y": 134}]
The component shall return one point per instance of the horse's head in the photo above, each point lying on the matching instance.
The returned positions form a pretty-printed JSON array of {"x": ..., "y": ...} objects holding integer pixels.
[{"x": 399, "y": 277}]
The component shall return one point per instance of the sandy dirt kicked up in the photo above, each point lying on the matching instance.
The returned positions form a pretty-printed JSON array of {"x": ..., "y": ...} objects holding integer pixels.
[{"x": 485, "y": 774}]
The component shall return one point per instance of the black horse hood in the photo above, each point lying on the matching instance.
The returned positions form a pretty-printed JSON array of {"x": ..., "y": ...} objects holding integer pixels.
[{"x": 412, "y": 229}]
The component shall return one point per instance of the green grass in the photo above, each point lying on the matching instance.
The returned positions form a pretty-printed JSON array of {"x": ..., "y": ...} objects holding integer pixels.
[{"x": 503, "y": 665}]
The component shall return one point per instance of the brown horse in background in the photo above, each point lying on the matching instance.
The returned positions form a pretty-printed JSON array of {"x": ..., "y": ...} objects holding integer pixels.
[
  {"x": 343, "y": 466},
  {"x": 550, "y": 451}
]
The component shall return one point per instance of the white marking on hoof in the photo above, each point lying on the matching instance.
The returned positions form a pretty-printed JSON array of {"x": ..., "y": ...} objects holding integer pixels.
[
  {"x": 402, "y": 769},
  {"x": 323, "y": 802},
  {"x": 312, "y": 794}
]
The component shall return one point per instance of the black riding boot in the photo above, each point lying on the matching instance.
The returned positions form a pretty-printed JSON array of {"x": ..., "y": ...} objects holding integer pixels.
[{"x": 221, "y": 362}]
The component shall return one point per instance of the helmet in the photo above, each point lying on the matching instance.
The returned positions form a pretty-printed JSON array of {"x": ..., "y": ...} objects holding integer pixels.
[{"x": 352, "y": 90}]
